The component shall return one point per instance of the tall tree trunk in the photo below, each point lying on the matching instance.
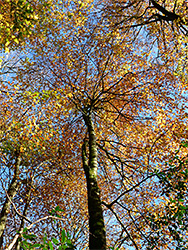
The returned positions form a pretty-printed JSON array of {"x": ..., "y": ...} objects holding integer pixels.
[
  {"x": 97, "y": 233},
  {"x": 12, "y": 190}
]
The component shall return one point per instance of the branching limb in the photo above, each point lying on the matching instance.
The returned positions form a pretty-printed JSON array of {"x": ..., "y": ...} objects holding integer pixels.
[{"x": 29, "y": 227}]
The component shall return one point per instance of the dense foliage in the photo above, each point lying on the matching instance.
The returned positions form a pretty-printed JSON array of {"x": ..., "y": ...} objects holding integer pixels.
[{"x": 93, "y": 124}]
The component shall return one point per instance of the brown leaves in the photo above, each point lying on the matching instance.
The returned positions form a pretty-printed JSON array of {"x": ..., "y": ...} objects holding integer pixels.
[{"x": 130, "y": 82}]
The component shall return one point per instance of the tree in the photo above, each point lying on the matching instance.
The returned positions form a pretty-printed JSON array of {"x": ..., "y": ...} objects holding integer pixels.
[
  {"x": 172, "y": 220},
  {"x": 108, "y": 114},
  {"x": 164, "y": 23},
  {"x": 161, "y": 16},
  {"x": 19, "y": 20},
  {"x": 27, "y": 167}
]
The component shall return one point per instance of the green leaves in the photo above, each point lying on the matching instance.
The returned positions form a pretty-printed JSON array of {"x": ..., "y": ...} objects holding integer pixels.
[
  {"x": 50, "y": 245},
  {"x": 63, "y": 241},
  {"x": 172, "y": 218},
  {"x": 19, "y": 19},
  {"x": 54, "y": 243},
  {"x": 55, "y": 211},
  {"x": 184, "y": 144},
  {"x": 29, "y": 236},
  {"x": 63, "y": 236}
]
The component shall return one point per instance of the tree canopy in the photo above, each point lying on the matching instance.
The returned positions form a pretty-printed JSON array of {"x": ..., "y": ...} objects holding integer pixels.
[{"x": 93, "y": 132}]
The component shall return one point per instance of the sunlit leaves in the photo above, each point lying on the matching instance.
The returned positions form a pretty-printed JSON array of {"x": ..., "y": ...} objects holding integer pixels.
[
  {"x": 18, "y": 20},
  {"x": 133, "y": 83},
  {"x": 171, "y": 218}
]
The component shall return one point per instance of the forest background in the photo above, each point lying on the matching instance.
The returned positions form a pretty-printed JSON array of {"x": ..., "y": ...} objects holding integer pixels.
[{"x": 93, "y": 126}]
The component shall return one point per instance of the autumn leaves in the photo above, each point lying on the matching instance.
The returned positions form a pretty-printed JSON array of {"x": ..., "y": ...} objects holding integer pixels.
[{"x": 96, "y": 113}]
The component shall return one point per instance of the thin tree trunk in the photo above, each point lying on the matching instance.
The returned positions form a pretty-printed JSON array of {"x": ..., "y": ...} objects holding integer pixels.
[
  {"x": 27, "y": 198},
  {"x": 97, "y": 233},
  {"x": 12, "y": 190}
]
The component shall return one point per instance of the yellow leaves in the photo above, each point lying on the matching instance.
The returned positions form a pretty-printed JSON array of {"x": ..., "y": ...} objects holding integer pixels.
[
  {"x": 69, "y": 95},
  {"x": 22, "y": 149},
  {"x": 18, "y": 21},
  {"x": 80, "y": 71},
  {"x": 16, "y": 40},
  {"x": 7, "y": 49},
  {"x": 58, "y": 105}
]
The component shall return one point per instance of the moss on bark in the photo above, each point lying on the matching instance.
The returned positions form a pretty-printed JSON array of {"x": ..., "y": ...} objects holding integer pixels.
[{"x": 97, "y": 233}]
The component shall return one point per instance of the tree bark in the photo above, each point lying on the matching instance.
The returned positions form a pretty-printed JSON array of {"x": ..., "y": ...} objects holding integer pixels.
[
  {"x": 97, "y": 233},
  {"x": 169, "y": 16},
  {"x": 27, "y": 199},
  {"x": 12, "y": 190}
]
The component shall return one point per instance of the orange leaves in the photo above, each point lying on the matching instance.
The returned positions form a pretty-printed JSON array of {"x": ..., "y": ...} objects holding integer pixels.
[{"x": 131, "y": 84}]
